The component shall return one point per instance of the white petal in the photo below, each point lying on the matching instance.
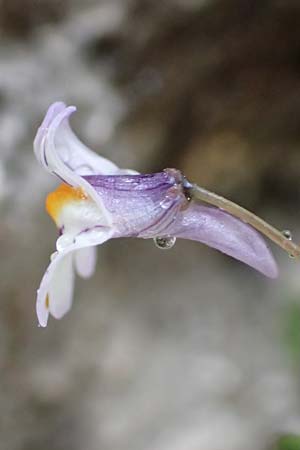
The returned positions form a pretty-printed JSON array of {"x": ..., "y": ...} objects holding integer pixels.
[
  {"x": 42, "y": 309},
  {"x": 61, "y": 287},
  {"x": 77, "y": 156},
  {"x": 42, "y": 301},
  {"x": 90, "y": 238},
  {"x": 61, "y": 153},
  {"x": 85, "y": 261},
  {"x": 56, "y": 136}
]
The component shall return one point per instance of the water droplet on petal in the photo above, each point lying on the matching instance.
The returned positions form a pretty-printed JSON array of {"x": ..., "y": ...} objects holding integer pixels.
[
  {"x": 166, "y": 203},
  {"x": 287, "y": 234},
  {"x": 164, "y": 243}
]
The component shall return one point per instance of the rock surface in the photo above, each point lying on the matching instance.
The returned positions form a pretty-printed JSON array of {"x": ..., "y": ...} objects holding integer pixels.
[{"x": 176, "y": 350}]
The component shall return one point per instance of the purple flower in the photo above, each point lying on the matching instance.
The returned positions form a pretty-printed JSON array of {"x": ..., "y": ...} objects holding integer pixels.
[{"x": 98, "y": 201}]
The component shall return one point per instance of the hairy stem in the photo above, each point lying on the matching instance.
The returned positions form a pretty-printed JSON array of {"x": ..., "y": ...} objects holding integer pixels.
[{"x": 278, "y": 237}]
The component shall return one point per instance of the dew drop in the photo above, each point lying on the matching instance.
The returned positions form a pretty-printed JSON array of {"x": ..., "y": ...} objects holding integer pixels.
[
  {"x": 287, "y": 234},
  {"x": 166, "y": 203},
  {"x": 164, "y": 243}
]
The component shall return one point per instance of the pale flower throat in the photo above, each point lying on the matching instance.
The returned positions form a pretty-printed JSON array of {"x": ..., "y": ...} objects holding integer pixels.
[{"x": 73, "y": 212}]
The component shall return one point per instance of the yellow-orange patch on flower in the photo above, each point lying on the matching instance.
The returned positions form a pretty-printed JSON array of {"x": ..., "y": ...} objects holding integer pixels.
[{"x": 64, "y": 194}]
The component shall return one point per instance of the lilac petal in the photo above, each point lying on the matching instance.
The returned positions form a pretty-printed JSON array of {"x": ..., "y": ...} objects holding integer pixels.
[
  {"x": 154, "y": 205},
  {"x": 140, "y": 205},
  {"x": 220, "y": 230}
]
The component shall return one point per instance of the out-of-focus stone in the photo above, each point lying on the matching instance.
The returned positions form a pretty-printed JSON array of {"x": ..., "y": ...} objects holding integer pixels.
[
  {"x": 178, "y": 350},
  {"x": 19, "y": 18}
]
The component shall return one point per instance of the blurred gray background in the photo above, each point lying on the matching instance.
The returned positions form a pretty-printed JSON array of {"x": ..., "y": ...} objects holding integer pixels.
[{"x": 178, "y": 350}]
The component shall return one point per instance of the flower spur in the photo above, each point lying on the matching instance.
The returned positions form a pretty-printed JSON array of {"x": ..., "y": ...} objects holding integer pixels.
[{"x": 98, "y": 201}]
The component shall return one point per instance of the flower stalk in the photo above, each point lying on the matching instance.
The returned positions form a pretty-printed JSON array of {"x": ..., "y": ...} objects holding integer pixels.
[{"x": 281, "y": 238}]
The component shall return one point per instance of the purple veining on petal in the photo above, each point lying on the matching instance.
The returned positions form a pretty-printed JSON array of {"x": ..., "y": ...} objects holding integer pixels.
[
  {"x": 141, "y": 205},
  {"x": 61, "y": 230},
  {"x": 154, "y": 205},
  {"x": 220, "y": 230},
  {"x": 86, "y": 230},
  {"x": 132, "y": 183}
]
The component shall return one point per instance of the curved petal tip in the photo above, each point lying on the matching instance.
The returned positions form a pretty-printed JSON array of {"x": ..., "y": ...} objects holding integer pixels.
[{"x": 218, "y": 229}]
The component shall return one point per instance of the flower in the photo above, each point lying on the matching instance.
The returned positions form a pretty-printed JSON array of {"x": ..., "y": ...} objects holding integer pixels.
[{"x": 97, "y": 201}]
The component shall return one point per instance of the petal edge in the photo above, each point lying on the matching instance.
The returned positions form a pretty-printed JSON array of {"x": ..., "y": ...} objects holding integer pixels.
[{"x": 220, "y": 230}]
